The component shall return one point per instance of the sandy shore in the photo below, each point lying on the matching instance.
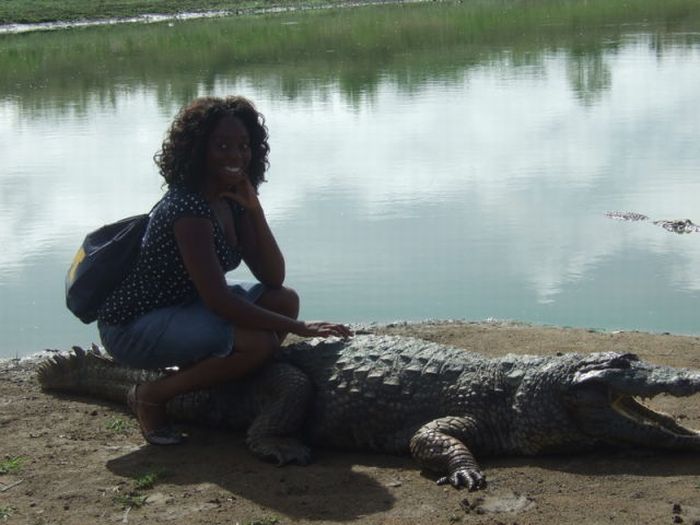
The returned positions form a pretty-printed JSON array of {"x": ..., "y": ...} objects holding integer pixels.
[{"x": 83, "y": 461}]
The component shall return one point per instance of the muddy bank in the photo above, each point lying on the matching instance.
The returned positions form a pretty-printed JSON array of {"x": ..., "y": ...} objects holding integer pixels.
[{"x": 68, "y": 460}]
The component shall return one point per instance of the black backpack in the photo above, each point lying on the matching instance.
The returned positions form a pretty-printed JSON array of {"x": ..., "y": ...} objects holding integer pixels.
[{"x": 102, "y": 262}]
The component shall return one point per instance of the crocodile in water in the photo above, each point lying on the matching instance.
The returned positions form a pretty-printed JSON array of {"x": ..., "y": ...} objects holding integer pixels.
[{"x": 674, "y": 225}]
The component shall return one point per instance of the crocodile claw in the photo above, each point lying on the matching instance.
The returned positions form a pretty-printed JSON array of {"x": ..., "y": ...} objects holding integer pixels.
[{"x": 473, "y": 479}]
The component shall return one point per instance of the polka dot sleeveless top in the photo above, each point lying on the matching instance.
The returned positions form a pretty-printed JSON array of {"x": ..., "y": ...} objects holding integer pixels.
[{"x": 159, "y": 278}]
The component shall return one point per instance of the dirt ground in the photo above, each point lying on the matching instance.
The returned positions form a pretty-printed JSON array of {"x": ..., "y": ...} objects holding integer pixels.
[{"x": 66, "y": 460}]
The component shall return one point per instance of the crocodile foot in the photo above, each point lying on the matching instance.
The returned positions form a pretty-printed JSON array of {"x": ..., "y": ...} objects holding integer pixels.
[
  {"x": 471, "y": 478},
  {"x": 281, "y": 450}
]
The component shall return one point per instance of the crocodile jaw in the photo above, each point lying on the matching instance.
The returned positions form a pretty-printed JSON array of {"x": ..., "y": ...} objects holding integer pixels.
[
  {"x": 604, "y": 400},
  {"x": 651, "y": 422},
  {"x": 616, "y": 418}
]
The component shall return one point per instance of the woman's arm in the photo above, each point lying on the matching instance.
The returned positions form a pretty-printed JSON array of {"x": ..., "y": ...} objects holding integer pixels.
[
  {"x": 195, "y": 239},
  {"x": 259, "y": 248},
  {"x": 258, "y": 245}
]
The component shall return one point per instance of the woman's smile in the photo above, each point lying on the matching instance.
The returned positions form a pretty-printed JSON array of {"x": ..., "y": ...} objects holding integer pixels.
[{"x": 228, "y": 154}]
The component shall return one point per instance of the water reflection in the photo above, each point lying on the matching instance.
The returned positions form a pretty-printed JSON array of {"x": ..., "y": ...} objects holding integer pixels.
[{"x": 467, "y": 186}]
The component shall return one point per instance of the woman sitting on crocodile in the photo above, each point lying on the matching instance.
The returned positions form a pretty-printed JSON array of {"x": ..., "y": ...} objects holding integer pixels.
[{"x": 175, "y": 308}]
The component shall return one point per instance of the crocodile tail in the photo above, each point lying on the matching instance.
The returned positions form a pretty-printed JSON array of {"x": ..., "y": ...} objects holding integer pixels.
[{"x": 90, "y": 373}]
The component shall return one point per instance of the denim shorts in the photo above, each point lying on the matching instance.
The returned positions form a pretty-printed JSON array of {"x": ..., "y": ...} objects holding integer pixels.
[{"x": 175, "y": 335}]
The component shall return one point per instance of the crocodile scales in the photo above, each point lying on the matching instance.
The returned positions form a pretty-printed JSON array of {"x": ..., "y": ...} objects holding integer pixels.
[{"x": 443, "y": 405}]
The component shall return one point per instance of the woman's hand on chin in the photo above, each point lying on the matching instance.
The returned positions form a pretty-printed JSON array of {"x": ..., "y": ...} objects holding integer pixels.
[{"x": 244, "y": 194}]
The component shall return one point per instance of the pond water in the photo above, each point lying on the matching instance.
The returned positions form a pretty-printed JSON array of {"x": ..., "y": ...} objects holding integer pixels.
[{"x": 451, "y": 162}]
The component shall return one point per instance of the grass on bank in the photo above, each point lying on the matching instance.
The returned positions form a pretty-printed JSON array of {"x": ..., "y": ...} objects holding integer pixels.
[
  {"x": 117, "y": 425},
  {"x": 5, "y": 512},
  {"x": 147, "y": 480},
  {"x": 135, "y": 498},
  {"x": 11, "y": 465},
  {"x": 36, "y": 11}
]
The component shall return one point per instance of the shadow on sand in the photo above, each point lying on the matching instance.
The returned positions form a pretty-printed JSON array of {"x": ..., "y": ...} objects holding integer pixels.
[{"x": 318, "y": 492}]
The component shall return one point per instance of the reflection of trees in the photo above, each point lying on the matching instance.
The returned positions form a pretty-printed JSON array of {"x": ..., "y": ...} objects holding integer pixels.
[
  {"x": 353, "y": 51},
  {"x": 589, "y": 75}
]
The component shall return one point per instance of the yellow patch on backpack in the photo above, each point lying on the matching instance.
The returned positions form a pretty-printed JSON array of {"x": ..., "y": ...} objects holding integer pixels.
[{"x": 79, "y": 256}]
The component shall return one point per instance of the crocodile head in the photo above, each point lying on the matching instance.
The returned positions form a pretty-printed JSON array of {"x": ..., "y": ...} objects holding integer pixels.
[{"x": 603, "y": 397}]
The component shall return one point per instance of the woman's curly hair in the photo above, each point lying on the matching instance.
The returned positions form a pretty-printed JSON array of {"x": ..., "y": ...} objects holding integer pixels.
[{"x": 181, "y": 159}]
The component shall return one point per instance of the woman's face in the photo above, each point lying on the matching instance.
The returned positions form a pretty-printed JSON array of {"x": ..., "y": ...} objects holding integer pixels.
[{"x": 228, "y": 153}]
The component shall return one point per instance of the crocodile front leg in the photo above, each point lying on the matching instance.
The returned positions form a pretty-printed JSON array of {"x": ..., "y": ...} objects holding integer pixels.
[
  {"x": 440, "y": 446},
  {"x": 282, "y": 395}
]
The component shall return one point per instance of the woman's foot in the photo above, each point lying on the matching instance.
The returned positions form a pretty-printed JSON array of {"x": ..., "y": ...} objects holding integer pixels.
[{"x": 152, "y": 419}]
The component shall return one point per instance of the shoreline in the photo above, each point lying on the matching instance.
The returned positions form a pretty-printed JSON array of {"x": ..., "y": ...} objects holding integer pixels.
[
  {"x": 153, "y": 18},
  {"x": 424, "y": 326}
]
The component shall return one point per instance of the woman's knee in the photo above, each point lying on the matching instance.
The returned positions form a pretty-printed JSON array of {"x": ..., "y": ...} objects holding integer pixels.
[{"x": 281, "y": 300}]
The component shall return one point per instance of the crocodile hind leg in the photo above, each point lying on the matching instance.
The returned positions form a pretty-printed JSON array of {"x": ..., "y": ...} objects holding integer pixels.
[
  {"x": 439, "y": 446},
  {"x": 271, "y": 404},
  {"x": 281, "y": 395}
]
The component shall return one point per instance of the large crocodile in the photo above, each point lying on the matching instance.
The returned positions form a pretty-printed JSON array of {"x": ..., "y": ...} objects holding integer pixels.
[{"x": 444, "y": 405}]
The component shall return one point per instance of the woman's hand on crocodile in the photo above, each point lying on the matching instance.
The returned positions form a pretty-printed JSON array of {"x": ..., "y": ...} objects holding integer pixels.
[{"x": 322, "y": 329}]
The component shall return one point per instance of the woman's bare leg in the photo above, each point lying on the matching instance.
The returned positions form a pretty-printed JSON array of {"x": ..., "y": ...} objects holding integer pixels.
[{"x": 251, "y": 349}]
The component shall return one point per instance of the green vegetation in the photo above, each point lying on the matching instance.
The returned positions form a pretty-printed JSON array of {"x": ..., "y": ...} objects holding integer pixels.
[
  {"x": 135, "y": 498},
  {"x": 352, "y": 51},
  {"x": 5, "y": 512},
  {"x": 265, "y": 521},
  {"x": 147, "y": 480},
  {"x": 130, "y": 500},
  {"x": 35, "y": 11},
  {"x": 11, "y": 464},
  {"x": 117, "y": 425}
]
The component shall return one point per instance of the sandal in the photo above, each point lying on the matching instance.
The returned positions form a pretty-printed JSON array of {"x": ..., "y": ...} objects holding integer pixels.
[{"x": 165, "y": 435}]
